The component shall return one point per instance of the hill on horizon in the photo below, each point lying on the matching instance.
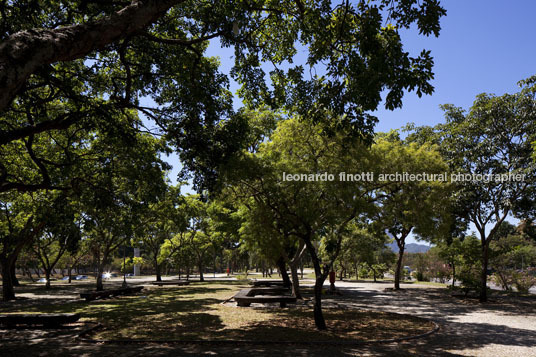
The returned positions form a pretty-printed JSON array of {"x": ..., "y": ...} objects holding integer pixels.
[{"x": 410, "y": 247}]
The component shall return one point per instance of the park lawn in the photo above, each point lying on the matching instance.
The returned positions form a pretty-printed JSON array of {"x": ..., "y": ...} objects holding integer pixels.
[{"x": 196, "y": 312}]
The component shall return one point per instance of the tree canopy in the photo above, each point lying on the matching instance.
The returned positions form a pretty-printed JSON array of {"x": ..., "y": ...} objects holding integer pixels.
[{"x": 84, "y": 64}]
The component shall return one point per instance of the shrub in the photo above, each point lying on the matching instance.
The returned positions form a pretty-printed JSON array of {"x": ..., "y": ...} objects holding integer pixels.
[{"x": 523, "y": 281}]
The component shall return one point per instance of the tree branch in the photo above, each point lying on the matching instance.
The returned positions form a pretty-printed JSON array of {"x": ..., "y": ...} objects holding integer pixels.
[{"x": 24, "y": 52}]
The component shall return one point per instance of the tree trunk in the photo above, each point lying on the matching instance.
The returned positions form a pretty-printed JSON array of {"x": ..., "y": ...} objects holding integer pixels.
[
  {"x": 14, "y": 274},
  {"x": 29, "y": 273},
  {"x": 484, "y": 274},
  {"x": 70, "y": 273},
  {"x": 504, "y": 281},
  {"x": 47, "y": 277},
  {"x": 319, "y": 316},
  {"x": 200, "y": 267},
  {"x": 295, "y": 281},
  {"x": 25, "y": 52},
  {"x": 399, "y": 266},
  {"x": 100, "y": 270},
  {"x": 281, "y": 266},
  {"x": 8, "y": 291},
  {"x": 320, "y": 322},
  {"x": 157, "y": 269}
]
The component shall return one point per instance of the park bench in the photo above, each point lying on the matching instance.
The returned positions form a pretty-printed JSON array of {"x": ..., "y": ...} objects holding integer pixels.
[
  {"x": 258, "y": 283},
  {"x": 264, "y": 295},
  {"x": 46, "y": 320},
  {"x": 92, "y": 295},
  {"x": 171, "y": 282}
]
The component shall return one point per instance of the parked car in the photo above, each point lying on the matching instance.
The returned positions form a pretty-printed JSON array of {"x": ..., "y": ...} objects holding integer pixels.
[
  {"x": 65, "y": 278},
  {"x": 81, "y": 277}
]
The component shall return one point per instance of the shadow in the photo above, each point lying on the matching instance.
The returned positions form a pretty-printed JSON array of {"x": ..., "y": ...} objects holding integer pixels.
[{"x": 191, "y": 312}]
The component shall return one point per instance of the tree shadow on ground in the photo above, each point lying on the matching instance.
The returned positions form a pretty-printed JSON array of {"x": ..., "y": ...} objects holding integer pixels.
[{"x": 432, "y": 303}]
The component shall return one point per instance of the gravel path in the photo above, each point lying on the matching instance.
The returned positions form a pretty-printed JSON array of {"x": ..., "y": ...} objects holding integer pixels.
[{"x": 502, "y": 327}]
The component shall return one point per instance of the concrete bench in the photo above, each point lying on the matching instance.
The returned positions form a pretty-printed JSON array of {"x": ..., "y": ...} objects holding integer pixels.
[
  {"x": 269, "y": 283},
  {"x": 46, "y": 320},
  {"x": 92, "y": 295},
  {"x": 171, "y": 282},
  {"x": 263, "y": 295}
]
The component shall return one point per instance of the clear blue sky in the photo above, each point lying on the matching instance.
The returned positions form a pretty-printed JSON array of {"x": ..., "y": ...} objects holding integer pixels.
[{"x": 484, "y": 46}]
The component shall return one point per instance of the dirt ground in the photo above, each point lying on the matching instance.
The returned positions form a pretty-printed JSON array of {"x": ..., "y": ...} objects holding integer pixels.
[{"x": 505, "y": 326}]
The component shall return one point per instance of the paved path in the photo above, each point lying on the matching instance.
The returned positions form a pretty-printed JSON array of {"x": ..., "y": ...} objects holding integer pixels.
[{"x": 503, "y": 327}]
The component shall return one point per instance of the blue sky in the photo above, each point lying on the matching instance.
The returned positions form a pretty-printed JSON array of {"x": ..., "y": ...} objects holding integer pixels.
[{"x": 484, "y": 46}]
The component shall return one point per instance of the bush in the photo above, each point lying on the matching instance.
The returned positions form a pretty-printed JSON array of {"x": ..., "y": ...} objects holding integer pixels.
[
  {"x": 523, "y": 281},
  {"x": 469, "y": 277},
  {"x": 420, "y": 276}
]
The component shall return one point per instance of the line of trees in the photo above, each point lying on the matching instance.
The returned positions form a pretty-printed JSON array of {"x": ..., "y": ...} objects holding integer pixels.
[{"x": 81, "y": 169}]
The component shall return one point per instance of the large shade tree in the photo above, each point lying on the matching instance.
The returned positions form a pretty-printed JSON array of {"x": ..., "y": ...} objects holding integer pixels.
[
  {"x": 404, "y": 205},
  {"x": 79, "y": 64},
  {"x": 21, "y": 221},
  {"x": 307, "y": 210},
  {"x": 126, "y": 178}
]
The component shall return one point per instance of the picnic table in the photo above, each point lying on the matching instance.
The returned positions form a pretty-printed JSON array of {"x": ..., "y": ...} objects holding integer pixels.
[
  {"x": 46, "y": 320},
  {"x": 92, "y": 295},
  {"x": 264, "y": 295},
  {"x": 171, "y": 282}
]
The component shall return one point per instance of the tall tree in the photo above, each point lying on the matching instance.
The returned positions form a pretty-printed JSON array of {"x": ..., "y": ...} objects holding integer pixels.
[
  {"x": 127, "y": 177},
  {"x": 494, "y": 140},
  {"x": 158, "y": 222},
  {"x": 407, "y": 205},
  {"x": 311, "y": 208},
  {"x": 21, "y": 221},
  {"x": 61, "y": 234}
]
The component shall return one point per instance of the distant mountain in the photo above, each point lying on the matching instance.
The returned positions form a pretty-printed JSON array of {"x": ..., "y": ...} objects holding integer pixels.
[{"x": 410, "y": 247}]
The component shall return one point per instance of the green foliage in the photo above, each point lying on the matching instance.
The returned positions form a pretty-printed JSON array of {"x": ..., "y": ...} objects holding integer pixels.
[
  {"x": 470, "y": 269},
  {"x": 68, "y": 95},
  {"x": 511, "y": 254}
]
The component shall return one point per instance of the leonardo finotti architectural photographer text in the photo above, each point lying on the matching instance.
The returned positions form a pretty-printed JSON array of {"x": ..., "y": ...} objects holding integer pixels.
[{"x": 404, "y": 177}]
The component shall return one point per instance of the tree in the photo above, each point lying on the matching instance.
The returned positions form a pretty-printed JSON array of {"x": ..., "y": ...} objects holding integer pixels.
[
  {"x": 125, "y": 180},
  {"x": 494, "y": 140},
  {"x": 311, "y": 209},
  {"x": 75, "y": 256},
  {"x": 365, "y": 251},
  {"x": 450, "y": 253},
  {"x": 260, "y": 234},
  {"x": 61, "y": 234},
  {"x": 99, "y": 59},
  {"x": 404, "y": 205},
  {"x": 159, "y": 222},
  {"x": 510, "y": 255},
  {"x": 21, "y": 220}
]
